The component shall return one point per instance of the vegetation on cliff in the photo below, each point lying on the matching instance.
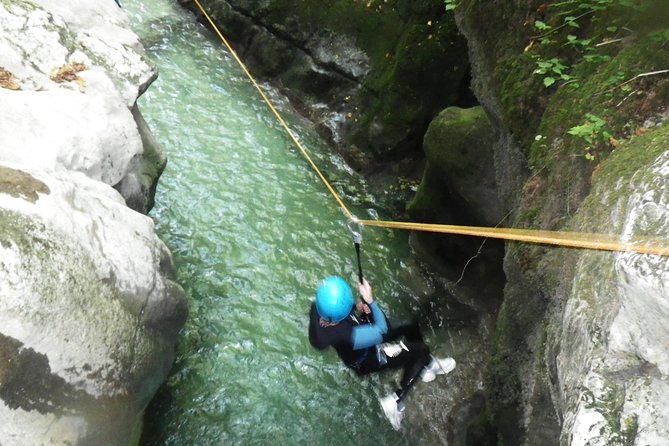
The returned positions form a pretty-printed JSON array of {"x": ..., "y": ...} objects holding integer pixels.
[{"x": 574, "y": 81}]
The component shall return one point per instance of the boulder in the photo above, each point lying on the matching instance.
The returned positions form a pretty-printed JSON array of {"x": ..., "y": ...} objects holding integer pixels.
[
  {"x": 458, "y": 148},
  {"x": 459, "y": 187},
  {"x": 77, "y": 72},
  {"x": 89, "y": 310}
]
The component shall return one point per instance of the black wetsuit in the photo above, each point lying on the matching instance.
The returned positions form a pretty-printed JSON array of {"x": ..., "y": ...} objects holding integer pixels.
[{"x": 364, "y": 359}]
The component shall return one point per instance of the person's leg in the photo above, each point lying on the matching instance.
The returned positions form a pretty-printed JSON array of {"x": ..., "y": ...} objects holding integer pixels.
[
  {"x": 410, "y": 330},
  {"x": 413, "y": 361}
]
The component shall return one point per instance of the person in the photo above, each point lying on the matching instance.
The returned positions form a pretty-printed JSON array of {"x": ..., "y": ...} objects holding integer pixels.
[{"x": 369, "y": 343}]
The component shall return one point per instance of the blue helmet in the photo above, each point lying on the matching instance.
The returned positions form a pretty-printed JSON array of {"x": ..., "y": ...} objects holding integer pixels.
[{"x": 334, "y": 299}]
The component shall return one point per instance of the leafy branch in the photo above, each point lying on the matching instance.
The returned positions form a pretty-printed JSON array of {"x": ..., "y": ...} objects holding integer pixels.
[
  {"x": 451, "y": 4},
  {"x": 573, "y": 15},
  {"x": 593, "y": 131}
]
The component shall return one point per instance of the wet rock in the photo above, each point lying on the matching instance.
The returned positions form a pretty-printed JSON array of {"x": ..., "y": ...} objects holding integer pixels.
[{"x": 371, "y": 75}]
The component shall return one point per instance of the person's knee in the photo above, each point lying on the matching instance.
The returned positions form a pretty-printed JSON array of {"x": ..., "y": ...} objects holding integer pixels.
[
  {"x": 425, "y": 354},
  {"x": 419, "y": 351}
]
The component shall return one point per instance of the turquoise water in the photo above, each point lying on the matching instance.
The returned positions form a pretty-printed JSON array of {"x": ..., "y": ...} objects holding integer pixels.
[{"x": 253, "y": 231}]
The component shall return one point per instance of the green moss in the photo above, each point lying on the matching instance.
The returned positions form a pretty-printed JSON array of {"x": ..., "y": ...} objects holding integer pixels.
[
  {"x": 522, "y": 97},
  {"x": 417, "y": 62},
  {"x": 456, "y": 140},
  {"x": 638, "y": 152},
  {"x": 610, "y": 404},
  {"x": 454, "y": 135},
  {"x": 507, "y": 61},
  {"x": 612, "y": 180}
]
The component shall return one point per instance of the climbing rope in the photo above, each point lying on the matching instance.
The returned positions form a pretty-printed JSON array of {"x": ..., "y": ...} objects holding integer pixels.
[
  {"x": 602, "y": 242},
  {"x": 277, "y": 114},
  {"x": 605, "y": 242}
]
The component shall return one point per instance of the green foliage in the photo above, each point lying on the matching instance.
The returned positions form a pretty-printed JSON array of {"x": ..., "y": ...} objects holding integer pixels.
[
  {"x": 661, "y": 36},
  {"x": 593, "y": 131},
  {"x": 451, "y": 4},
  {"x": 567, "y": 31},
  {"x": 622, "y": 431},
  {"x": 575, "y": 40},
  {"x": 552, "y": 70}
]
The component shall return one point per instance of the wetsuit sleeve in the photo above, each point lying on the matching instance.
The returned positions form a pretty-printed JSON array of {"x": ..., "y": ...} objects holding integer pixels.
[{"x": 368, "y": 335}]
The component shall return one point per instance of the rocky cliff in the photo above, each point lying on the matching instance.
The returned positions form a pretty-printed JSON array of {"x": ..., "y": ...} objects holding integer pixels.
[
  {"x": 371, "y": 75},
  {"x": 89, "y": 310},
  {"x": 577, "y": 94}
]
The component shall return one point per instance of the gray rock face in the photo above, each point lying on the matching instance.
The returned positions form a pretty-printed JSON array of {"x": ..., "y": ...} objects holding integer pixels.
[
  {"x": 508, "y": 160},
  {"x": 324, "y": 67},
  {"x": 581, "y": 342},
  {"x": 89, "y": 309},
  {"x": 78, "y": 70},
  {"x": 612, "y": 338}
]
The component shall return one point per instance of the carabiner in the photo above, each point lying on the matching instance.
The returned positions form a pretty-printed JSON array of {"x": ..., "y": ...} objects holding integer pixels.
[{"x": 355, "y": 227}]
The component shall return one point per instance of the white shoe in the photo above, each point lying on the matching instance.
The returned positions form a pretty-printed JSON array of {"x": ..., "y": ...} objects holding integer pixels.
[
  {"x": 438, "y": 367},
  {"x": 393, "y": 411}
]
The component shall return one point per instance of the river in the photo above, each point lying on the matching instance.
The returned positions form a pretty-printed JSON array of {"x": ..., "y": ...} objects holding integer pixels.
[{"x": 253, "y": 231}]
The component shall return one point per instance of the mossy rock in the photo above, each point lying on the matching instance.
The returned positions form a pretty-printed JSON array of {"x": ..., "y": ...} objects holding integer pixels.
[
  {"x": 387, "y": 67},
  {"x": 459, "y": 151},
  {"x": 536, "y": 119},
  {"x": 139, "y": 186},
  {"x": 458, "y": 188}
]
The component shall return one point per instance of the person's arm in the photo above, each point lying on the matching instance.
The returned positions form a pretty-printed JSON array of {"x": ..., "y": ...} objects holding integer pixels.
[{"x": 368, "y": 335}]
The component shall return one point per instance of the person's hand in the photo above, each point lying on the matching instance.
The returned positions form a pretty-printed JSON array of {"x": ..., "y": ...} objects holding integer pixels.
[
  {"x": 366, "y": 292},
  {"x": 363, "y": 307}
]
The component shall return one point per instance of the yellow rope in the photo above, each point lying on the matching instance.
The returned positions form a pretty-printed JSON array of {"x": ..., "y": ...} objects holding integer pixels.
[
  {"x": 278, "y": 115},
  {"x": 603, "y": 242}
]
